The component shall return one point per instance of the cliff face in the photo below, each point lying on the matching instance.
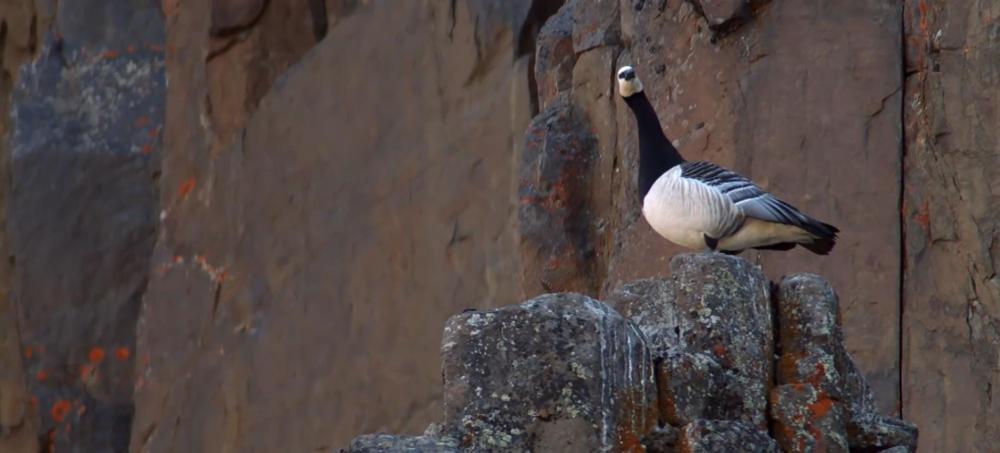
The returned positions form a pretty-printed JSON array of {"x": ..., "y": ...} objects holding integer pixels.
[{"x": 262, "y": 252}]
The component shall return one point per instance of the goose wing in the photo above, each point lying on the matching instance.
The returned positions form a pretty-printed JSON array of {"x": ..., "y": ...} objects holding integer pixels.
[{"x": 753, "y": 201}]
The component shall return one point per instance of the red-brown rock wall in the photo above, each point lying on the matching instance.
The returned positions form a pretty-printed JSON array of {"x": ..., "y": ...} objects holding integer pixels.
[
  {"x": 306, "y": 264},
  {"x": 951, "y": 310},
  {"x": 337, "y": 177}
]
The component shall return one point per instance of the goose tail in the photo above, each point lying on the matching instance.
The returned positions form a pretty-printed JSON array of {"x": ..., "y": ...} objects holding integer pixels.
[{"x": 824, "y": 236}]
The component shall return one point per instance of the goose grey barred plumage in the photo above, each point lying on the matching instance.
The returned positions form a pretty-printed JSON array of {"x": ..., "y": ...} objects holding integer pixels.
[{"x": 700, "y": 204}]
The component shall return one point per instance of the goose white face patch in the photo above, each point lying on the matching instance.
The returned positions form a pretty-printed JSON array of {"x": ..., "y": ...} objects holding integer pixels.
[{"x": 628, "y": 82}]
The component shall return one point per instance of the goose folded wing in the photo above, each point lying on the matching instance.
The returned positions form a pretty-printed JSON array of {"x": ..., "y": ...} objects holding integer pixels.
[{"x": 753, "y": 201}]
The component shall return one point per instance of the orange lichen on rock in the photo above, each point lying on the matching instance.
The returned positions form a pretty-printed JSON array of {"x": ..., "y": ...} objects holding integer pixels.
[
  {"x": 122, "y": 353},
  {"x": 817, "y": 377},
  {"x": 59, "y": 410},
  {"x": 638, "y": 418},
  {"x": 96, "y": 354},
  {"x": 720, "y": 351},
  {"x": 186, "y": 187},
  {"x": 821, "y": 407}
]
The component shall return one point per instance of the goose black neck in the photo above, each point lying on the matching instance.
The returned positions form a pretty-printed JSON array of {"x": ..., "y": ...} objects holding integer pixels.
[{"x": 656, "y": 153}]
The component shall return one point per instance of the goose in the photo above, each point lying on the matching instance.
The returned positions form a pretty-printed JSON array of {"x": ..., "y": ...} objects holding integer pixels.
[{"x": 701, "y": 205}]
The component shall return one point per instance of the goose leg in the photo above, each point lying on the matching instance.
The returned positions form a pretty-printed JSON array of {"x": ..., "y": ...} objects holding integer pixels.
[{"x": 711, "y": 243}]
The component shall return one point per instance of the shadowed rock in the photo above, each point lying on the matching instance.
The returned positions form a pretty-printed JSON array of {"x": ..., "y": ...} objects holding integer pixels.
[
  {"x": 556, "y": 237},
  {"x": 561, "y": 372},
  {"x": 661, "y": 440}
]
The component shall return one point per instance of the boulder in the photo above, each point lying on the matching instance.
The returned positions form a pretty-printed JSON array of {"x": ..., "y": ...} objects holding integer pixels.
[
  {"x": 710, "y": 329},
  {"x": 822, "y": 375},
  {"x": 561, "y": 372},
  {"x": 556, "y": 236}
]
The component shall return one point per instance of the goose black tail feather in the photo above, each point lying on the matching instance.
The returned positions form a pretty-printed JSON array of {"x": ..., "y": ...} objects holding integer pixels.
[
  {"x": 778, "y": 246},
  {"x": 820, "y": 229},
  {"x": 821, "y": 246}
]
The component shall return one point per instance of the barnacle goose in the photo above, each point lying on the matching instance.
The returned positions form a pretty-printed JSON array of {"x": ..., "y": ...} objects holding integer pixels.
[{"x": 702, "y": 205}]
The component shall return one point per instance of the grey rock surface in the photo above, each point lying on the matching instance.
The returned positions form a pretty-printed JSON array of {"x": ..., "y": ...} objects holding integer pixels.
[
  {"x": 806, "y": 419},
  {"x": 822, "y": 377},
  {"x": 560, "y": 372},
  {"x": 710, "y": 436},
  {"x": 385, "y": 443},
  {"x": 710, "y": 326}
]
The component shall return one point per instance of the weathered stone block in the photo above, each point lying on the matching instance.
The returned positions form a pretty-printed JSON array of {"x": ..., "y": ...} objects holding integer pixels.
[
  {"x": 811, "y": 336},
  {"x": 716, "y": 305},
  {"x": 807, "y": 420},
  {"x": 556, "y": 237},
  {"x": 710, "y": 436},
  {"x": 807, "y": 314},
  {"x": 561, "y": 372}
]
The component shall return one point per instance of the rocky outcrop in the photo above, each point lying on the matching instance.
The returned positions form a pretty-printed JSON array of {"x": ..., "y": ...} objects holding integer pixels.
[{"x": 563, "y": 372}]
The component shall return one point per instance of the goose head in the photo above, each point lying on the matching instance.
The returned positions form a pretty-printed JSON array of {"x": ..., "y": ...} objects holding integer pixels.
[{"x": 628, "y": 82}]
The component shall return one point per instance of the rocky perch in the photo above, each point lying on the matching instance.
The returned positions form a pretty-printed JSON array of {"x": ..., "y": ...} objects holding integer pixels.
[{"x": 712, "y": 359}]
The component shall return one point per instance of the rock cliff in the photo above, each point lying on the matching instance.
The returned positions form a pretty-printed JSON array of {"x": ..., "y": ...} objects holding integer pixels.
[
  {"x": 230, "y": 224},
  {"x": 708, "y": 360}
]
